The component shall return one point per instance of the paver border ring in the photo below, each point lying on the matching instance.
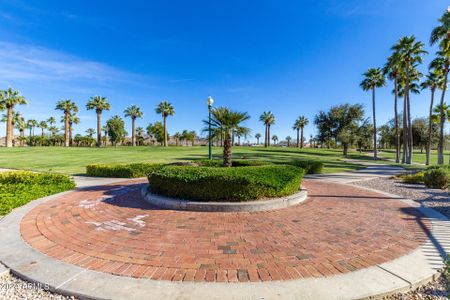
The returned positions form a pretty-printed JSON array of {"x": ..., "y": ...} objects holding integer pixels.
[{"x": 248, "y": 206}]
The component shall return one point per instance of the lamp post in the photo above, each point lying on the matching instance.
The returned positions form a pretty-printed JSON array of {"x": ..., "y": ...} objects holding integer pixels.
[{"x": 210, "y": 102}]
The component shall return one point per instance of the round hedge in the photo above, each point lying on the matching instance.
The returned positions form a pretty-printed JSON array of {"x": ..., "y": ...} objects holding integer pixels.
[{"x": 226, "y": 184}]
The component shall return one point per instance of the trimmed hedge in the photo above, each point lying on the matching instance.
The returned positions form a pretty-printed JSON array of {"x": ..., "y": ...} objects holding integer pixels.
[
  {"x": 226, "y": 184},
  {"x": 310, "y": 166},
  {"x": 135, "y": 170},
  {"x": 17, "y": 188},
  {"x": 412, "y": 178},
  {"x": 234, "y": 163}
]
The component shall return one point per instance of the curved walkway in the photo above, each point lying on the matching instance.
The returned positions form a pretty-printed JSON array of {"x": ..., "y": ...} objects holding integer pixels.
[{"x": 344, "y": 242}]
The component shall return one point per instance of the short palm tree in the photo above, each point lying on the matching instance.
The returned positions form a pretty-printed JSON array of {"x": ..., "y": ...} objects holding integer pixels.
[
  {"x": 8, "y": 100},
  {"x": 274, "y": 139},
  {"x": 299, "y": 126},
  {"x": 99, "y": 104},
  {"x": 90, "y": 132},
  {"x": 21, "y": 125},
  {"x": 165, "y": 109},
  {"x": 257, "y": 136},
  {"x": 68, "y": 107},
  {"x": 433, "y": 81},
  {"x": 227, "y": 121},
  {"x": 51, "y": 121},
  {"x": 73, "y": 119},
  {"x": 268, "y": 118},
  {"x": 54, "y": 130},
  {"x": 288, "y": 140},
  {"x": 133, "y": 112},
  {"x": 43, "y": 125},
  {"x": 31, "y": 124},
  {"x": 373, "y": 78},
  {"x": 177, "y": 137}
]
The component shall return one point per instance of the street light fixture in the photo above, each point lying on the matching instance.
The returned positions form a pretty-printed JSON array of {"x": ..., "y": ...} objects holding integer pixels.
[{"x": 210, "y": 102}]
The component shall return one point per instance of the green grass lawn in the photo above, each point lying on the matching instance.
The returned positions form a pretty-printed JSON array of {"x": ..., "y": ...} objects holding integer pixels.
[
  {"x": 74, "y": 160},
  {"x": 418, "y": 156}
]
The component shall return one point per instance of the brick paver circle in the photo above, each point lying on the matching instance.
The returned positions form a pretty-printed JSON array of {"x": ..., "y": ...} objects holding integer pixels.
[{"x": 111, "y": 229}]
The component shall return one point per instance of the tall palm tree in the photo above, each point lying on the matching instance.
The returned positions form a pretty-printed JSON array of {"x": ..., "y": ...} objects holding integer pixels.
[
  {"x": 51, "y": 121},
  {"x": 392, "y": 69},
  {"x": 373, "y": 78},
  {"x": 16, "y": 118},
  {"x": 8, "y": 100},
  {"x": 434, "y": 80},
  {"x": 410, "y": 53},
  {"x": 134, "y": 112},
  {"x": 299, "y": 125},
  {"x": 68, "y": 107},
  {"x": 43, "y": 125},
  {"x": 268, "y": 118},
  {"x": 227, "y": 121},
  {"x": 257, "y": 136},
  {"x": 165, "y": 109},
  {"x": 99, "y": 104}
]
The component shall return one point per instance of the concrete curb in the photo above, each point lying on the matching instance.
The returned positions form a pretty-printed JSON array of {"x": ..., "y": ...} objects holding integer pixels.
[
  {"x": 398, "y": 275},
  {"x": 3, "y": 271},
  {"x": 250, "y": 206}
]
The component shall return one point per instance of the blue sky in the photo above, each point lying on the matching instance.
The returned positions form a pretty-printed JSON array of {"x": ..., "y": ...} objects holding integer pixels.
[{"x": 291, "y": 57}]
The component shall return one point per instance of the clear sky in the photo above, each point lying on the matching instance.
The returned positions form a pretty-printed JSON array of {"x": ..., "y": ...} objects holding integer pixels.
[{"x": 291, "y": 57}]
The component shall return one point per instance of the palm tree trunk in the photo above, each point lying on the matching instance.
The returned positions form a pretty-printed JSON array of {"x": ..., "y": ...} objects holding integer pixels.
[
  {"x": 301, "y": 138},
  {"x": 70, "y": 134},
  {"x": 442, "y": 120},
  {"x": 375, "y": 154},
  {"x": 22, "y": 135},
  {"x": 99, "y": 130},
  {"x": 430, "y": 124},
  {"x": 227, "y": 150},
  {"x": 397, "y": 131},
  {"x": 165, "y": 131},
  {"x": 410, "y": 135},
  {"x": 9, "y": 129},
  {"x": 405, "y": 149},
  {"x": 265, "y": 136},
  {"x": 298, "y": 137},
  {"x": 133, "y": 133},
  {"x": 268, "y": 135},
  {"x": 66, "y": 130}
]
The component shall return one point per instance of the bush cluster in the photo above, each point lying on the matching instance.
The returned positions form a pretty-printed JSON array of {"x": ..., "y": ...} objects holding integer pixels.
[
  {"x": 21, "y": 187},
  {"x": 226, "y": 184},
  {"x": 310, "y": 166},
  {"x": 135, "y": 170},
  {"x": 413, "y": 178},
  {"x": 437, "y": 177}
]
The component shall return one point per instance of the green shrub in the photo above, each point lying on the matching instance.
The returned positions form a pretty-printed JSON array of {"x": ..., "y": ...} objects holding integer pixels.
[
  {"x": 235, "y": 163},
  {"x": 413, "y": 178},
  {"x": 226, "y": 184},
  {"x": 135, "y": 170},
  {"x": 437, "y": 178},
  {"x": 21, "y": 187},
  {"x": 310, "y": 166}
]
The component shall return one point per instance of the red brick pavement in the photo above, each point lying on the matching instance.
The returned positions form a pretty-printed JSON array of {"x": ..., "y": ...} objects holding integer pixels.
[{"x": 111, "y": 229}]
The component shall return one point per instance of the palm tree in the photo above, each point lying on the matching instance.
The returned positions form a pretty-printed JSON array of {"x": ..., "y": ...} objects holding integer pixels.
[
  {"x": 134, "y": 112},
  {"x": 434, "y": 80},
  {"x": 257, "y": 136},
  {"x": 373, "y": 78},
  {"x": 43, "y": 125},
  {"x": 8, "y": 100},
  {"x": 31, "y": 124},
  {"x": 51, "y": 121},
  {"x": 274, "y": 139},
  {"x": 227, "y": 121},
  {"x": 299, "y": 125},
  {"x": 140, "y": 133},
  {"x": 99, "y": 104},
  {"x": 16, "y": 118},
  {"x": 177, "y": 137},
  {"x": 393, "y": 69},
  {"x": 21, "y": 126},
  {"x": 73, "y": 119},
  {"x": 68, "y": 107},
  {"x": 268, "y": 118},
  {"x": 90, "y": 132},
  {"x": 165, "y": 109},
  {"x": 54, "y": 130},
  {"x": 410, "y": 54},
  {"x": 288, "y": 139}
]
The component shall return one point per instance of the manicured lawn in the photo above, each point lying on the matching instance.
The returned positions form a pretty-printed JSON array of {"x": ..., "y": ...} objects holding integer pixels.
[
  {"x": 74, "y": 160},
  {"x": 418, "y": 157}
]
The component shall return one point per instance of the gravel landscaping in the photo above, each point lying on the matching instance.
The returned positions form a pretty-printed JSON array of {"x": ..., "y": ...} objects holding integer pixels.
[
  {"x": 12, "y": 288},
  {"x": 435, "y": 198}
]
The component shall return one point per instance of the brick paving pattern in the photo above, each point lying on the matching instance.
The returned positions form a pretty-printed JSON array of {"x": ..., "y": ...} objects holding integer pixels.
[{"x": 111, "y": 229}]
